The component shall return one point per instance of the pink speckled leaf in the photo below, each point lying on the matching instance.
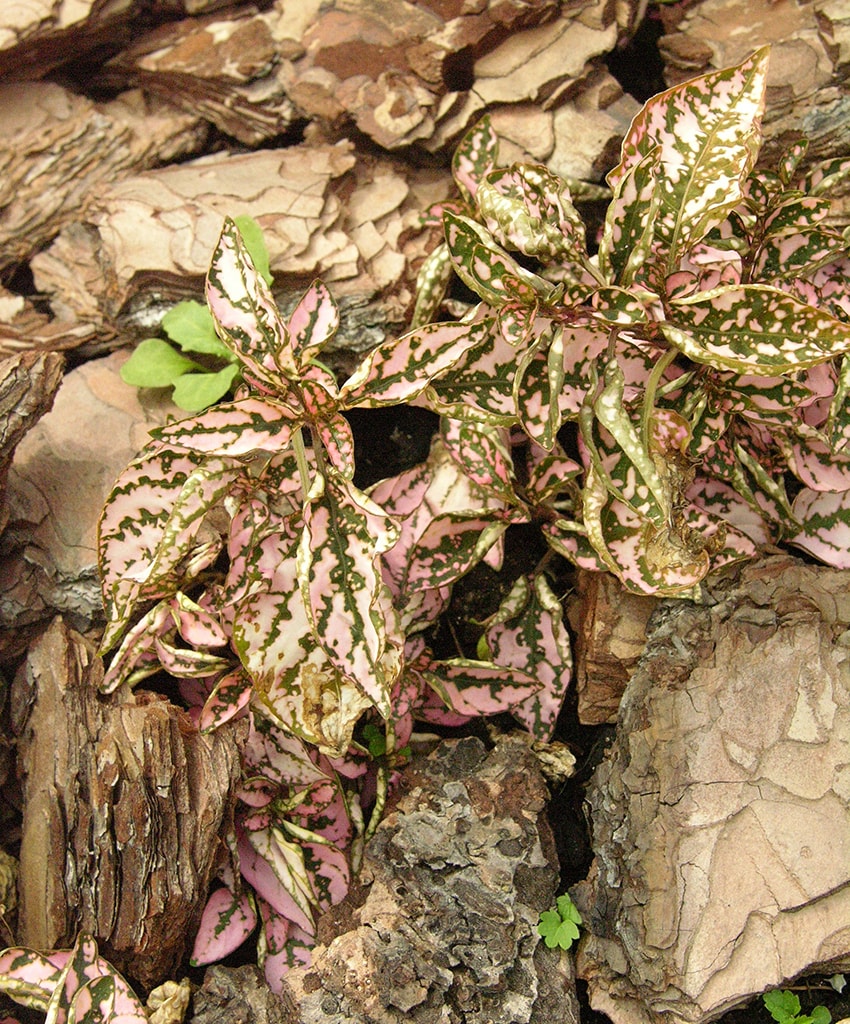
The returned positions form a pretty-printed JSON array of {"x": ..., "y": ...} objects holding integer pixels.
[
  {"x": 528, "y": 632},
  {"x": 755, "y": 329},
  {"x": 825, "y": 533},
  {"x": 475, "y": 156},
  {"x": 232, "y": 429},
  {"x": 313, "y": 323},
  {"x": 706, "y": 133},
  {"x": 227, "y": 921},
  {"x": 246, "y": 317}
]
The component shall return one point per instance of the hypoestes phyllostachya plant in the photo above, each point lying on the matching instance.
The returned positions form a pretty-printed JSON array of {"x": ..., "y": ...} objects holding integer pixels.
[{"x": 238, "y": 556}]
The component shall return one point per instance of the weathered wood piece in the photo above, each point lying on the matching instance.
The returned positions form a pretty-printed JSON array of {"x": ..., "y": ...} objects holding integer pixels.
[
  {"x": 125, "y": 807},
  {"x": 610, "y": 630},
  {"x": 28, "y": 383},
  {"x": 224, "y": 68},
  {"x": 721, "y": 815},
  {"x": 458, "y": 874},
  {"x": 237, "y": 994},
  {"x": 809, "y": 77},
  {"x": 325, "y": 211},
  {"x": 58, "y": 149},
  {"x": 60, "y": 477}
]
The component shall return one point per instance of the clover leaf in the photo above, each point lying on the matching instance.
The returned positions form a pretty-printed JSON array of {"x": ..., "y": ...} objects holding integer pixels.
[{"x": 560, "y": 927}]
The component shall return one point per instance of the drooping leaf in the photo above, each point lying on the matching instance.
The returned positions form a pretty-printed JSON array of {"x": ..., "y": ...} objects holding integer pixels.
[
  {"x": 431, "y": 284},
  {"x": 229, "y": 696},
  {"x": 528, "y": 632},
  {"x": 149, "y": 532},
  {"x": 530, "y": 209},
  {"x": 30, "y": 977},
  {"x": 227, "y": 921},
  {"x": 825, "y": 532}
]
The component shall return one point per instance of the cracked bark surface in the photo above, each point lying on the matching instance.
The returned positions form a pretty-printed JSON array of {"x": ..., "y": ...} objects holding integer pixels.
[
  {"x": 445, "y": 931},
  {"x": 59, "y": 479},
  {"x": 721, "y": 816},
  {"x": 125, "y": 807}
]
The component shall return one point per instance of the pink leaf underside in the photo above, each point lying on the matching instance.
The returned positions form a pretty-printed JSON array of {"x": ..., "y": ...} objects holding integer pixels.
[
  {"x": 227, "y": 921},
  {"x": 812, "y": 461},
  {"x": 314, "y": 321},
  {"x": 826, "y": 529},
  {"x": 247, "y": 319},
  {"x": 231, "y": 429},
  {"x": 286, "y": 946},
  {"x": 276, "y": 870}
]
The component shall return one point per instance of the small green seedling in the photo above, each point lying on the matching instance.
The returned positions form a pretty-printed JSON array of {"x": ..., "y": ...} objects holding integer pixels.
[
  {"x": 784, "y": 1007},
  {"x": 560, "y": 927},
  {"x": 156, "y": 363}
]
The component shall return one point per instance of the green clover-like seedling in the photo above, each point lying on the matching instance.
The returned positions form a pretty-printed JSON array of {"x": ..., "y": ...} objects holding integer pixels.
[
  {"x": 784, "y": 1007},
  {"x": 156, "y": 363},
  {"x": 560, "y": 927}
]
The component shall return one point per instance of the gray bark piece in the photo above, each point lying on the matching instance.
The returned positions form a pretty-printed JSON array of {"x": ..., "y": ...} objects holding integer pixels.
[
  {"x": 237, "y": 995},
  {"x": 721, "y": 816},
  {"x": 460, "y": 871}
]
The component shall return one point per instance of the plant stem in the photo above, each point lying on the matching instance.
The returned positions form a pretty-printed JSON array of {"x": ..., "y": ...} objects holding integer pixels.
[
  {"x": 652, "y": 383},
  {"x": 301, "y": 458}
]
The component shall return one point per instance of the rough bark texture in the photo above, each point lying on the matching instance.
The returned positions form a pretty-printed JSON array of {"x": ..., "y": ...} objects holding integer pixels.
[
  {"x": 610, "y": 634},
  {"x": 125, "y": 804},
  {"x": 460, "y": 871},
  {"x": 808, "y": 91},
  {"x": 58, "y": 483},
  {"x": 28, "y": 383},
  {"x": 238, "y": 995},
  {"x": 59, "y": 150},
  {"x": 353, "y": 221},
  {"x": 721, "y": 817}
]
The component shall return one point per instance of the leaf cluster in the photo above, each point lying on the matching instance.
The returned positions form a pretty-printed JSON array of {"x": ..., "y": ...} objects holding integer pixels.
[
  {"x": 784, "y": 1007},
  {"x": 559, "y": 927}
]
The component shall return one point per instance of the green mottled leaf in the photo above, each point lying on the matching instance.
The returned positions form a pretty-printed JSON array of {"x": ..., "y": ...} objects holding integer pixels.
[
  {"x": 755, "y": 329},
  {"x": 529, "y": 208},
  {"x": 431, "y": 284}
]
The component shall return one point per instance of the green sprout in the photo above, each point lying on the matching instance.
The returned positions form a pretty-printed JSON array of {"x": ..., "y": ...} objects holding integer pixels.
[
  {"x": 784, "y": 1007},
  {"x": 156, "y": 363},
  {"x": 560, "y": 927}
]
